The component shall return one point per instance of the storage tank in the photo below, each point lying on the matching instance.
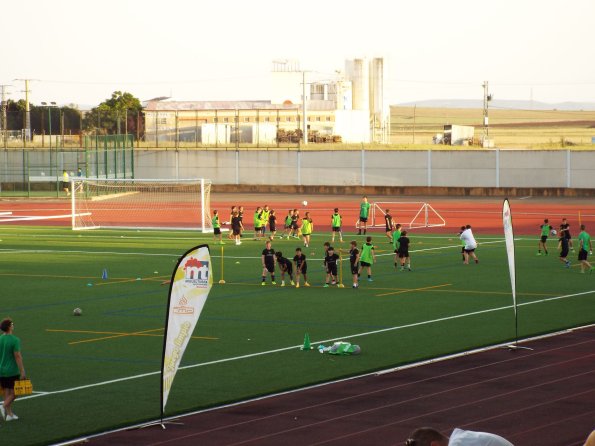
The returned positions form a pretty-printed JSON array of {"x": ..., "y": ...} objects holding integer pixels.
[
  {"x": 358, "y": 73},
  {"x": 377, "y": 87}
]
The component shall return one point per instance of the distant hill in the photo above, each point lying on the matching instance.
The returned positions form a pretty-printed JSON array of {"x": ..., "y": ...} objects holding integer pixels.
[{"x": 500, "y": 104}]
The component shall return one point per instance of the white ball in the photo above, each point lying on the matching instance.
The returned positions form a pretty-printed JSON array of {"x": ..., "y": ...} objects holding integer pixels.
[
  {"x": 554, "y": 232},
  {"x": 305, "y": 203},
  {"x": 77, "y": 312}
]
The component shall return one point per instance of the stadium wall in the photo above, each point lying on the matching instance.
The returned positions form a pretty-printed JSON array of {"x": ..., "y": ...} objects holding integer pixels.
[{"x": 467, "y": 172}]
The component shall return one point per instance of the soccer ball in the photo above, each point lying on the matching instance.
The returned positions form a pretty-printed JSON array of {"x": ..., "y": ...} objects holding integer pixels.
[
  {"x": 554, "y": 232},
  {"x": 77, "y": 312},
  {"x": 305, "y": 203}
]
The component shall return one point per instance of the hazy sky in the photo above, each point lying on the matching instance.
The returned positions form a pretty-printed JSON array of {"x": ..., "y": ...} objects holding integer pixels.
[{"x": 81, "y": 51}]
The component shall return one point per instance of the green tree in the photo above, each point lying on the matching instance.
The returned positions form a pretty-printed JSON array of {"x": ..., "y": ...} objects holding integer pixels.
[{"x": 118, "y": 114}]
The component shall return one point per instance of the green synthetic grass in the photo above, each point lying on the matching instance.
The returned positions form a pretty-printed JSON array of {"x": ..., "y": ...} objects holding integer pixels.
[{"x": 100, "y": 370}]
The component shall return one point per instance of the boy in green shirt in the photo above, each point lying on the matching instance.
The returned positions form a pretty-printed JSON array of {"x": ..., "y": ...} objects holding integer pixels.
[
  {"x": 307, "y": 228},
  {"x": 11, "y": 367},
  {"x": 364, "y": 212},
  {"x": 336, "y": 222},
  {"x": 585, "y": 248},
  {"x": 217, "y": 227},
  {"x": 545, "y": 231},
  {"x": 396, "y": 237},
  {"x": 367, "y": 257}
]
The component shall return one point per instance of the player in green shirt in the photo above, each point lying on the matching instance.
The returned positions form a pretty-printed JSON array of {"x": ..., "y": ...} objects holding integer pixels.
[
  {"x": 367, "y": 257},
  {"x": 258, "y": 223},
  {"x": 585, "y": 248},
  {"x": 307, "y": 228},
  {"x": 11, "y": 367},
  {"x": 336, "y": 222},
  {"x": 545, "y": 231},
  {"x": 396, "y": 237},
  {"x": 364, "y": 212},
  {"x": 217, "y": 227}
]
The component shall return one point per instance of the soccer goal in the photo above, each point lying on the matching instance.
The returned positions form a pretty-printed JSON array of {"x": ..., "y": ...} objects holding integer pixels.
[
  {"x": 141, "y": 204},
  {"x": 410, "y": 215}
]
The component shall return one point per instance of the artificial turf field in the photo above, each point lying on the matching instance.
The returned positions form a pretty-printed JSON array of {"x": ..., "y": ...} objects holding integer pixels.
[{"x": 101, "y": 370}]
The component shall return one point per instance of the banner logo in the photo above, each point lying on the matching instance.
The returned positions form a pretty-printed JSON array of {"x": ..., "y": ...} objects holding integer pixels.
[
  {"x": 196, "y": 272},
  {"x": 182, "y": 307}
]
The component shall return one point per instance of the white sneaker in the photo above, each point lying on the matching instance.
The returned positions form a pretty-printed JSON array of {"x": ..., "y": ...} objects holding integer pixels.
[
  {"x": 11, "y": 417},
  {"x": 283, "y": 283}
]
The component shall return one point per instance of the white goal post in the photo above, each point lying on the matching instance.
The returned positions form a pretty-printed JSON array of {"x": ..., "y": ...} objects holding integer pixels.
[
  {"x": 141, "y": 203},
  {"x": 410, "y": 215}
]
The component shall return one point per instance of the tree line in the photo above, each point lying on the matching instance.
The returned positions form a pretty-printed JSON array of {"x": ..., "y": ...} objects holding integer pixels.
[{"x": 119, "y": 114}]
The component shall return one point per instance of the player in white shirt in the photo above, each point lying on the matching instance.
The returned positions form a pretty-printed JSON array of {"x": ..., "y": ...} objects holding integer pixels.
[{"x": 470, "y": 244}]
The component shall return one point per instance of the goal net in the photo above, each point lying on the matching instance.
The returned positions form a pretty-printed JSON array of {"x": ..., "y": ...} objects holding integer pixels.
[
  {"x": 141, "y": 204},
  {"x": 408, "y": 214}
]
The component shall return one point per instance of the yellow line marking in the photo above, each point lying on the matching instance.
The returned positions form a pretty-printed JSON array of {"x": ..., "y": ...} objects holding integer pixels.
[
  {"x": 119, "y": 334},
  {"x": 414, "y": 289}
]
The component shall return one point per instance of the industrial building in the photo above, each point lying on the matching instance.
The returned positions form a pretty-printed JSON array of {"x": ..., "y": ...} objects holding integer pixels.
[{"x": 348, "y": 106}]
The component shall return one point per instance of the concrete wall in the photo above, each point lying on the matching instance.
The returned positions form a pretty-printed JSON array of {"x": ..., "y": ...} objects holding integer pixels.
[{"x": 522, "y": 169}]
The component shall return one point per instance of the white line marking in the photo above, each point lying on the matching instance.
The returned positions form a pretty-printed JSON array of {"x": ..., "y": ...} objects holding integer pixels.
[{"x": 293, "y": 347}]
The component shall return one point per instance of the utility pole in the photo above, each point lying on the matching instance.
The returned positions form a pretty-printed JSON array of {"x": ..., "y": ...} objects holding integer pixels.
[
  {"x": 305, "y": 129},
  {"x": 27, "y": 135},
  {"x": 486, "y": 99},
  {"x": 4, "y": 123}
]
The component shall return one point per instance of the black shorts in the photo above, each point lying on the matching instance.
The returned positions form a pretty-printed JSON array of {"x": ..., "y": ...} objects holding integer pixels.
[
  {"x": 336, "y": 228},
  {"x": 304, "y": 269},
  {"x": 270, "y": 267},
  {"x": 64, "y": 184},
  {"x": 294, "y": 225},
  {"x": 216, "y": 231},
  {"x": 366, "y": 264},
  {"x": 289, "y": 269},
  {"x": 543, "y": 238},
  {"x": 8, "y": 382},
  {"x": 332, "y": 270},
  {"x": 272, "y": 228},
  {"x": 403, "y": 254},
  {"x": 387, "y": 229},
  {"x": 582, "y": 254},
  {"x": 355, "y": 268},
  {"x": 236, "y": 231},
  {"x": 469, "y": 251},
  {"x": 363, "y": 219},
  {"x": 564, "y": 253}
]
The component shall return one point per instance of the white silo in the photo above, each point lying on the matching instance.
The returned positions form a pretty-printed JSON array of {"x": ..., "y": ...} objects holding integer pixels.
[
  {"x": 377, "y": 88},
  {"x": 357, "y": 72}
]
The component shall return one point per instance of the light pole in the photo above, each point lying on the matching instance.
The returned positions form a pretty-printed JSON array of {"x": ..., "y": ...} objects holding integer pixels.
[{"x": 49, "y": 107}]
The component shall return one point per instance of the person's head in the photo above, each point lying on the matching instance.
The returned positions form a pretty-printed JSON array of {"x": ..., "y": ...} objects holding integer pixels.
[
  {"x": 546, "y": 220},
  {"x": 258, "y": 209},
  {"x": 290, "y": 212},
  {"x": 582, "y": 227},
  {"x": 353, "y": 243},
  {"x": 233, "y": 209},
  {"x": 272, "y": 212},
  {"x": 336, "y": 210},
  {"x": 268, "y": 244},
  {"x": 426, "y": 436},
  {"x": 368, "y": 239},
  {"x": 279, "y": 254},
  {"x": 468, "y": 227},
  {"x": 266, "y": 207},
  {"x": 6, "y": 325},
  {"x": 463, "y": 228},
  {"x": 298, "y": 251},
  {"x": 331, "y": 250},
  {"x": 241, "y": 208},
  {"x": 387, "y": 211},
  {"x": 404, "y": 233},
  {"x": 326, "y": 245},
  {"x": 365, "y": 199},
  {"x": 564, "y": 220},
  {"x": 215, "y": 212},
  {"x": 307, "y": 215},
  {"x": 398, "y": 226}
]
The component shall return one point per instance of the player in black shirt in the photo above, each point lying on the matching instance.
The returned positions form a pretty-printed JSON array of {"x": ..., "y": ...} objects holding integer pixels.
[
  {"x": 565, "y": 230},
  {"x": 301, "y": 267},
  {"x": 272, "y": 224},
  {"x": 354, "y": 262},
  {"x": 268, "y": 263},
  {"x": 389, "y": 225},
  {"x": 286, "y": 267},
  {"x": 236, "y": 227},
  {"x": 330, "y": 261},
  {"x": 404, "y": 251}
]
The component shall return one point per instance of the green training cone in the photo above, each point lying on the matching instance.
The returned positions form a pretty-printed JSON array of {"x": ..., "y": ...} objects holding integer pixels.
[{"x": 306, "y": 345}]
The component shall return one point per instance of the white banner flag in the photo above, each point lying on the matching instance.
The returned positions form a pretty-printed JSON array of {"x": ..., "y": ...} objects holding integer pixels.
[
  {"x": 509, "y": 237},
  {"x": 188, "y": 292}
]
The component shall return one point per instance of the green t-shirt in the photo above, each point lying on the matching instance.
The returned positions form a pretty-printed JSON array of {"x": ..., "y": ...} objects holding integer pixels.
[
  {"x": 257, "y": 220},
  {"x": 8, "y": 365},
  {"x": 336, "y": 221},
  {"x": 584, "y": 240},
  {"x": 366, "y": 255},
  {"x": 364, "y": 209},
  {"x": 545, "y": 230},
  {"x": 396, "y": 237},
  {"x": 215, "y": 221},
  {"x": 288, "y": 220},
  {"x": 306, "y": 226},
  {"x": 264, "y": 218}
]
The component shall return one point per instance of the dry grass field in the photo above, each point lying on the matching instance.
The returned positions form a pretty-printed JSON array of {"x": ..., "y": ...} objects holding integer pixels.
[{"x": 527, "y": 129}]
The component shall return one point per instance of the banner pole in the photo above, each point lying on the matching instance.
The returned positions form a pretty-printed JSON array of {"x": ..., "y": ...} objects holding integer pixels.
[{"x": 222, "y": 281}]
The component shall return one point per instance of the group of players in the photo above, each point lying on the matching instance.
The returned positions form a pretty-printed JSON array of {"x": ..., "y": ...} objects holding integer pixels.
[{"x": 565, "y": 243}]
